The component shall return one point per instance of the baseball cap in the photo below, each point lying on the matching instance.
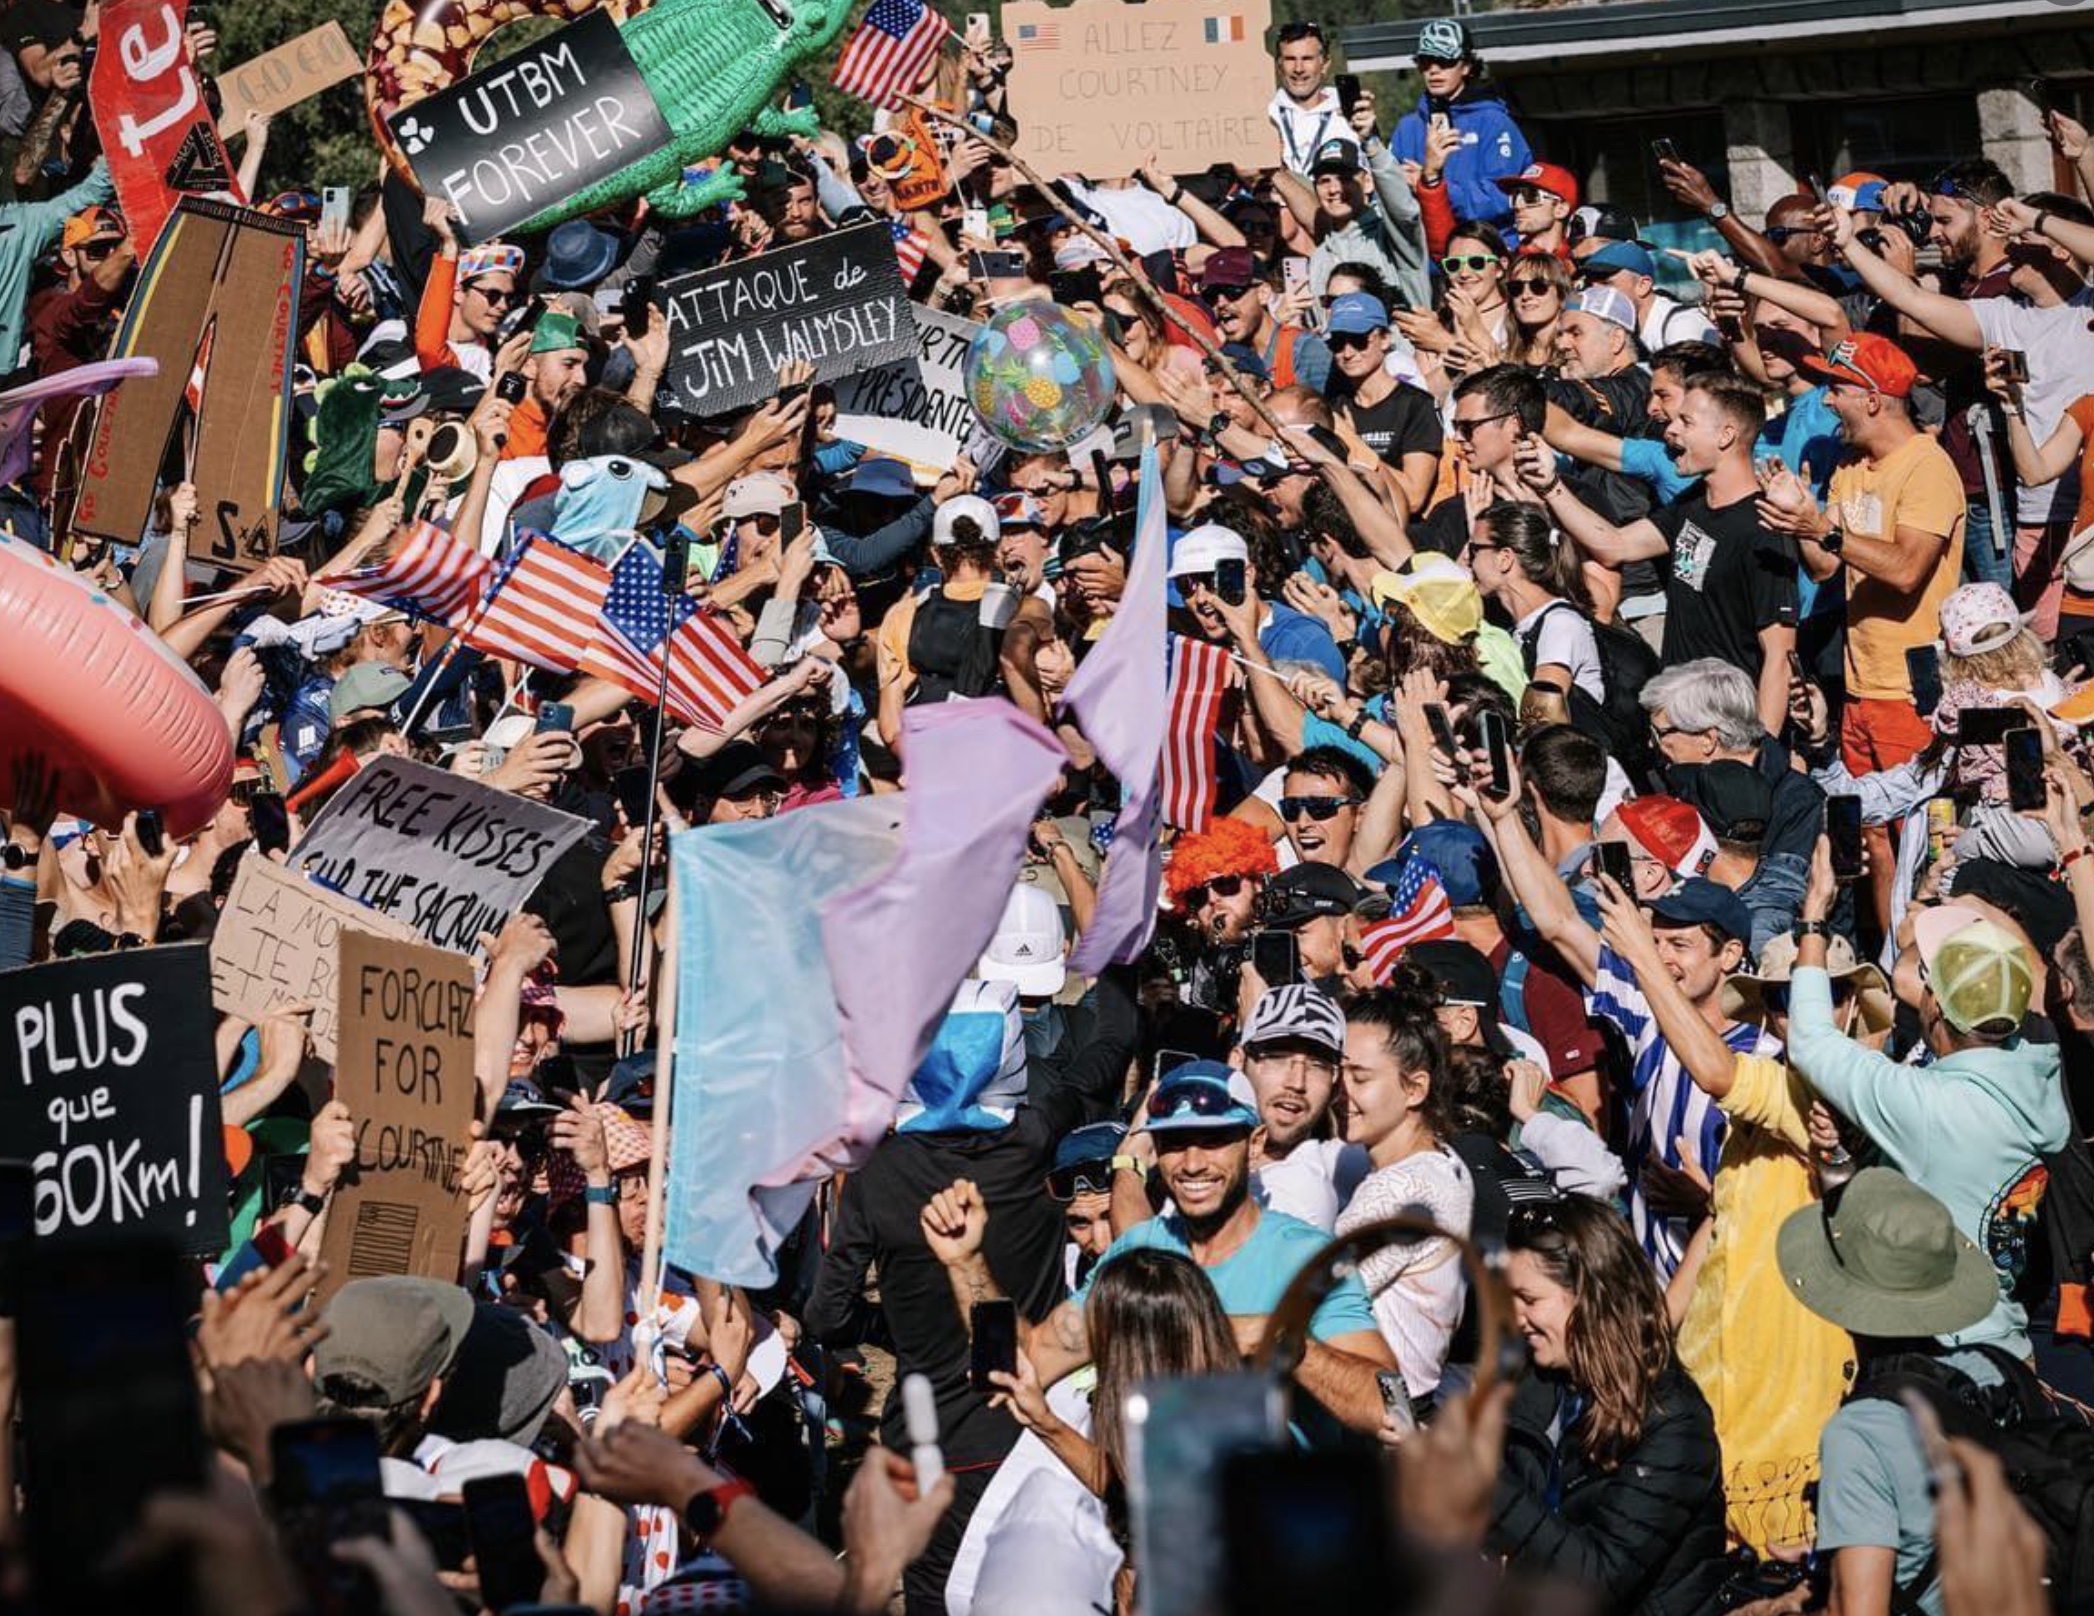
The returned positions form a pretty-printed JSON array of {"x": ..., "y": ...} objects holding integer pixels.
[
  {"x": 1977, "y": 971},
  {"x": 1461, "y": 970},
  {"x": 1597, "y": 221},
  {"x": 735, "y": 767},
  {"x": 1299, "y": 1011},
  {"x": 971, "y": 506},
  {"x": 557, "y": 330},
  {"x": 1698, "y": 901},
  {"x": 368, "y": 684},
  {"x": 1297, "y": 896},
  {"x": 2037, "y": 904},
  {"x": 1866, "y": 360},
  {"x": 1437, "y": 591},
  {"x": 1669, "y": 831},
  {"x": 1203, "y": 1096},
  {"x": 1091, "y": 1146},
  {"x": 1231, "y": 266},
  {"x": 1199, "y": 550},
  {"x": 1860, "y": 191},
  {"x": 523, "y": 1101},
  {"x": 1026, "y": 950},
  {"x": 1606, "y": 303},
  {"x": 1978, "y": 617},
  {"x": 1356, "y": 313},
  {"x": 1467, "y": 867},
  {"x": 91, "y": 224},
  {"x": 1620, "y": 255},
  {"x": 1443, "y": 39},
  {"x": 1733, "y": 799},
  {"x": 758, "y": 494},
  {"x": 889, "y": 478},
  {"x": 1336, "y": 156},
  {"x": 395, "y": 1333},
  {"x": 1557, "y": 180}
]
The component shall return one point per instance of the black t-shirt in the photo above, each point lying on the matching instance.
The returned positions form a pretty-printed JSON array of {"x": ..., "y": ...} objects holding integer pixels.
[
  {"x": 1405, "y": 422},
  {"x": 1729, "y": 578}
]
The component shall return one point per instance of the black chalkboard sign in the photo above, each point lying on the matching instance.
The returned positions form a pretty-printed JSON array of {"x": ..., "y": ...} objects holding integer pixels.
[
  {"x": 530, "y": 131},
  {"x": 838, "y": 300}
]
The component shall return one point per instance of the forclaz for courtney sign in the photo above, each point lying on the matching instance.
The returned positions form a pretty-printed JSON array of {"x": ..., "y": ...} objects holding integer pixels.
[
  {"x": 538, "y": 126},
  {"x": 148, "y": 102},
  {"x": 837, "y": 301}
]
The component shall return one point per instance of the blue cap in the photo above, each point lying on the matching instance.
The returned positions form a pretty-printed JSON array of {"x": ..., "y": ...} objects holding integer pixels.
[
  {"x": 1467, "y": 866},
  {"x": 1699, "y": 901},
  {"x": 1203, "y": 1096},
  {"x": 888, "y": 477},
  {"x": 1619, "y": 255},
  {"x": 1356, "y": 313},
  {"x": 1099, "y": 1141}
]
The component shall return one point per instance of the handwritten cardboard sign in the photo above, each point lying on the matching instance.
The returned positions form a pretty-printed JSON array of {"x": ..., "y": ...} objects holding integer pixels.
[
  {"x": 916, "y": 409},
  {"x": 406, "y": 1074},
  {"x": 517, "y": 137},
  {"x": 278, "y": 942},
  {"x": 279, "y": 79},
  {"x": 837, "y": 300},
  {"x": 114, "y": 1095},
  {"x": 1098, "y": 86},
  {"x": 445, "y": 855}
]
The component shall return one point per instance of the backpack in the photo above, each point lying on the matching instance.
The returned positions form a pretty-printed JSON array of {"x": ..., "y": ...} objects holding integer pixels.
[
  {"x": 1626, "y": 666},
  {"x": 2048, "y": 1456}
]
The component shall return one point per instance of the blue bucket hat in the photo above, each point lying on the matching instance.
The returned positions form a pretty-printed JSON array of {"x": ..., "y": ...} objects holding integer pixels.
[{"x": 577, "y": 256}]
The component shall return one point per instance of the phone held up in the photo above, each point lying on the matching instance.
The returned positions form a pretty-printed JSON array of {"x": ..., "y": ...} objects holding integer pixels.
[
  {"x": 994, "y": 1351},
  {"x": 1843, "y": 832}
]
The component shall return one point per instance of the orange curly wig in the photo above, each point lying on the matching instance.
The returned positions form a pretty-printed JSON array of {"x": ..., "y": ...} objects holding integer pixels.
[{"x": 1225, "y": 847}]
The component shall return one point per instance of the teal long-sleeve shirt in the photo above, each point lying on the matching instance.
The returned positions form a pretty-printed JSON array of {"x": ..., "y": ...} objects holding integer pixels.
[{"x": 27, "y": 232}]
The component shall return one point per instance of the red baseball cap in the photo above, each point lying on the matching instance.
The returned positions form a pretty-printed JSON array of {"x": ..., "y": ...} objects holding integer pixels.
[
  {"x": 1866, "y": 361},
  {"x": 1550, "y": 177},
  {"x": 1671, "y": 832}
]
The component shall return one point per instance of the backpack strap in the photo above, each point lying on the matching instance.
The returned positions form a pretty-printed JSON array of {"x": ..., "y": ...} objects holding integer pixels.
[
  {"x": 1512, "y": 992},
  {"x": 1530, "y": 637}
]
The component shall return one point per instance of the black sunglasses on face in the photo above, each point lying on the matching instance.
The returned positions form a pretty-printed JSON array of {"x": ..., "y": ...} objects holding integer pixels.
[
  {"x": 1225, "y": 293},
  {"x": 1220, "y": 886},
  {"x": 1348, "y": 341},
  {"x": 1466, "y": 430},
  {"x": 1080, "y": 1178},
  {"x": 1316, "y": 808},
  {"x": 1779, "y": 233},
  {"x": 1522, "y": 286}
]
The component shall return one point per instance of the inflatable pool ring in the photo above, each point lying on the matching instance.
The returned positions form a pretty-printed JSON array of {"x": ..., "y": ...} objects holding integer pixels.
[
  {"x": 105, "y": 699},
  {"x": 712, "y": 66}
]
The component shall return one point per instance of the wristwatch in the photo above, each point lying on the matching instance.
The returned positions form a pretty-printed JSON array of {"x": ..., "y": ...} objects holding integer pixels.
[
  {"x": 1834, "y": 541},
  {"x": 1719, "y": 210},
  {"x": 1813, "y": 928},
  {"x": 600, "y": 1195},
  {"x": 1129, "y": 1164},
  {"x": 707, "y": 1511},
  {"x": 1221, "y": 423},
  {"x": 306, "y": 1201}
]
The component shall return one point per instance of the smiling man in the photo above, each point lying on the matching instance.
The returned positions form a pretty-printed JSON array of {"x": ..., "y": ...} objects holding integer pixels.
[{"x": 1293, "y": 1043}]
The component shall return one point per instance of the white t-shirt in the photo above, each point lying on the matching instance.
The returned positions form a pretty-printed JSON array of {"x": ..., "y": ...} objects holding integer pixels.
[
  {"x": 1312, "y": 1181},
  {"x": 1566, "y": 639},
  {"x": 1669, "y": 322},
  {"x": 1303, "y": 128},
  {"x": 1139, "y": 217},
  {"x": 1417, "y": 1291},
  {"x": 2061, "y": 369}
]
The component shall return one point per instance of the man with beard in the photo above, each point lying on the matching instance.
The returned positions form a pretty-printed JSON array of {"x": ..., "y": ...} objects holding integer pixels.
[
  {"x": 1293, "y": 1043},
  {"x": 1212, "y": 884},
  {"x": 1200, "y": 1121},
  {"x": 1238, "y": 300}
]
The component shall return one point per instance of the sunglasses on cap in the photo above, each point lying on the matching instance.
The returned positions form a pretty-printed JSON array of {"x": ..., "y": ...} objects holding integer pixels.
[
  {"x": 1454, "y": 263},
  {"x": 1080, "y": 1178},
  {"x": 1219, "y": 886},
  {"x": 1202, "y": 1099},
  {"x": 1316, "y": 808},
  {"x": 1943, "y": 184}
]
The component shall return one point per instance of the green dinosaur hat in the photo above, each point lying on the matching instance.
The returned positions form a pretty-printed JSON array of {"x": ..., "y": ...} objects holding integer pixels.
[{"x": 556, "y": 329}]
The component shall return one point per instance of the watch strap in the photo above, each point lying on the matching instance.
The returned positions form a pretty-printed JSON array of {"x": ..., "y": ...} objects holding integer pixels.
[
  {"x": 600, "y": 1195},
  {"x": 306, "y": 1201},
  {"x": 1129, "y": 1164},
  {"x": 707, "y": 1511},
  {"x": 1813, "y": 928}
]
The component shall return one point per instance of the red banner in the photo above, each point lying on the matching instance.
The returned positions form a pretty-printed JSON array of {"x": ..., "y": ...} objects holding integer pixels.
[{"x": 148, "y": 100}]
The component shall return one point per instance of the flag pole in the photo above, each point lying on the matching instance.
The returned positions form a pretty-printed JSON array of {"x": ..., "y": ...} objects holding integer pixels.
[
  {"x": 650, "y": 1295},
  {"x": 676, "y": 561},
  {"x": 457, "y": 642}
]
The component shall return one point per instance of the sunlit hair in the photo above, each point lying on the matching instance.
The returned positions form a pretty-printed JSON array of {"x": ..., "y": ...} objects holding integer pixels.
[
  {"x": 1404, "y": 1012},
  {"x": 2017, "y": 665}
]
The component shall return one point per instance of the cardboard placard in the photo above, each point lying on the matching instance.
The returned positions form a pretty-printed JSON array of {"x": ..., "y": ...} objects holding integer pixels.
[
  {"x": 837, "y": 300},
  {"x": 1098, "y": 86},
  {"x": 279, "y": 79},
  {"x": 149, "y": 109},
  {"x": 114, "y": 1095},
  {"x": 220, "y": 293},
  {"x": 445, "y": 855},
  {"x": 406, "y": 1074},
  {"x": 511, "y": 141},
  {"x": 278, "y": 942},
  {"x": 916, "y": 409}
]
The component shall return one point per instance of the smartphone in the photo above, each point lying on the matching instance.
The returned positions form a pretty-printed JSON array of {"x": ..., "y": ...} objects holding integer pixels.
[
  {"x": 1442, "y": 728},
  {"x": 1276, "y": 957},
  {"x": 792, "y": 521},
  {"x": 798, "y": 94},
  {"x": 2014, "y": 365},
  {"x": 996, "y": 266},
  {"x": 793, "y": 390},
  {"x": 994, "y": 1326},
  {"x": 1987, "y": 726},
  {"x": 632, "y": 786},
  {"x": 1070, "y": 286},
  {"x": 1843, "y": 831},
  {"x": 1796, "y": 669},
  {"x": 676, "y": 559},
  {"x": 271, "y": 821},
  {"x": 1348, "y": 94},
  {"x": 103, "y": 1351},
  {"x": 975, "y": 222},
  {"x": 2038, "y": 91},
  {"x": 1306, "y": 1531},
  {"x": 977, "y": 25},
  {"x": 1665, "y": 151},
  {"x": 152, "y": 832},
  {"x": 334, "y": 199},
  {"x": 510, "y": 387},
  {"x": 1294, "y": 272},
  {"x": 2025, "y": 784},
  {"x": 1180, "y": 1434},
  {"x": 638, "y": 305},
  {"x": 1497, "y": 742},
  {"x": 1618, "y": 864},
  {"x": 1396, "y": 1401},
  {"x": 1923, "y": 669},
  {"x": 556, "y": 717},
  {"x": 1817, "y": 187},
  {"x": 1229, "y": 581},
  {"x": 500, "y": 1526}
]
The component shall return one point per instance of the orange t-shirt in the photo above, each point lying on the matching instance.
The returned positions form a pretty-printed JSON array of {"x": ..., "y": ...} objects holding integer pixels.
[{"x": 1913, "y": 486}]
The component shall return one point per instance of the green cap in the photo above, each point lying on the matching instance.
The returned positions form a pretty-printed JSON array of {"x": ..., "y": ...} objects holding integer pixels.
[
  {"x": 556, "y": 329},
  {"x": 1886, "y": 1259},
  {"x": 1977, "y": 970}
]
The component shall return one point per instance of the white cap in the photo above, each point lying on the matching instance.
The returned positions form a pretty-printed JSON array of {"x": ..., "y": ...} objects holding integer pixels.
[
  {"x": 1206, "y": 544},
  {"x": 975, "y": 509},
  {"x": 1027, "y": 948},
  {"x": 758, "y": 494}
]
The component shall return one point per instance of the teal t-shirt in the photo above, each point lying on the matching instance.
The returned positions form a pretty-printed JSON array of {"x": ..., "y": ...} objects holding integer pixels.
[
  {"x": 1649, "y": 461},
  {"x": 1252, "y": 1279}
]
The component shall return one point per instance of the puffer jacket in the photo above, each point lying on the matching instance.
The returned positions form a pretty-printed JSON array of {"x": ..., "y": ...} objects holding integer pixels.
[{"x": 1647, "y": 1536}]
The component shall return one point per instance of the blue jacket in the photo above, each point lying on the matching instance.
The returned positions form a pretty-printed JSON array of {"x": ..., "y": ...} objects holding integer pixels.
[{"x": 1491, "y": 144}]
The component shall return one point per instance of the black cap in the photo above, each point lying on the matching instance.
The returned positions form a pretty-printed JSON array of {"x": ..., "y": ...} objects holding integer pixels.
[
  {"x": 735, "y": 767},
  {"x": 1461, "y": 971},
  {"x": 2038, "y": 904},
  {"x": 1297, "y": 896},
  {"x": 1598, "y": 220},
  {"x": 1733, "y": 798},
  {"x": 451, "y": 391}
]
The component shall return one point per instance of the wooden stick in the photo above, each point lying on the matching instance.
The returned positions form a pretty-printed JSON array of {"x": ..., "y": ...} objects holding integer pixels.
[{"x": 1132, "y": 270}]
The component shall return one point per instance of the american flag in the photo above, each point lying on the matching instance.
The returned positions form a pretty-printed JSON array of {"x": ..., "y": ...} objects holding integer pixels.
[
  {"x": 542, "y": 607},
  {"x": 1039, "y": 36},
  {"x": 909, "y": 246},
  {"x": 425, "y": 571},
  {"x": 1199, "y": 680},
  {"x": 200, "y": 368},
  {"x": 709, "y": 672},
  {"x": 1418, "y": 912},
  {"x": 888, "y": 53}
]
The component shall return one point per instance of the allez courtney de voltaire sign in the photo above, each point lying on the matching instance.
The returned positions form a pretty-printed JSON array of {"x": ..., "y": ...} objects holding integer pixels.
[{"x": 535, "y": 127}]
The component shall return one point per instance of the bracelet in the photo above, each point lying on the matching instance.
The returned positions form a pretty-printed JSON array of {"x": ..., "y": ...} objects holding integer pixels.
[
  {"x": 726, "y": 1380},
  {"x": 600, "y": 1195},
  {"x": 1813, "y": 928},
  {"x": 2042, "y": 219},
  {"x": 1737, "y": 281},
  {"x": 1359, "y": 722},
  {"x": 2084, "y": 850},
  {"x": 1177, "y": 193}
]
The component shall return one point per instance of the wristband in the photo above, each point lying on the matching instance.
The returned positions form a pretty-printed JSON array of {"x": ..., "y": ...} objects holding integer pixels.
[
  {"x": 2042, "y": 219},
  {"x": 1177, "y": 192},
  {"x": 306, "y": 1201},
  {"x": 2084, "y": 850},
  {"x": 1359, "y": 722},
  {"x": 1737, "y": 281},
  {"x": 1813, "y": 928},
  {"x": 1129, "y": 1164},
  {"x": 600, "y": 1195}
]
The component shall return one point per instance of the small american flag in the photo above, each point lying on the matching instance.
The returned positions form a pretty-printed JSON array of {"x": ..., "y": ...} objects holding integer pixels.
[
  {"x": 910, "y": 244},
  {"x": 200, "y": 368},
  {"x": 1199, "y": 679},
  {"x": 542, "y": 607},
  {"x": 888, "y": 53},
  {"x": 424, "y": 571},
  {"x": 1043, "y": 36},
  {"x": 1418, "y": 912},
  {"x": 709, "y": 672}
]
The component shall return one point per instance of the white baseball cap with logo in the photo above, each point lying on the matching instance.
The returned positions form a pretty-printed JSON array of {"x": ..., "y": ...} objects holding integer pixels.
[{"x": 1027, "y": 948}]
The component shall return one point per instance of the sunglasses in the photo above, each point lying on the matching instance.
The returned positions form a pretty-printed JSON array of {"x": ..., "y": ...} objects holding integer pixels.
[
  {"x": 1476, "y": 263},
  {"x": 1191, "y": 1100},
  {"x": 1348, "y": 341},
  {"x": 1942, "y": 185},
  {"x": 1316, "y": 808},
  {"x": 1080, "y": 1178},
  {"x": 1220, "y": 886},
  {"x": 1779, "y": 233},
  {"x": 1527, "y": 196},
  {"x": 1466, "y": 430},
  {"x": 497, "y": 299},
  {"x": 1524, "y": 286},
  {"x": 96, "y": 252},
  {"x": 1225, "y": 293},
  {"x": 1436, "y": 61}
]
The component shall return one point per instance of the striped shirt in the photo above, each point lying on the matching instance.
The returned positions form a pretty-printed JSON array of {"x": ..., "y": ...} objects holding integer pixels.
[{"x": 1667, "y": 1106}]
